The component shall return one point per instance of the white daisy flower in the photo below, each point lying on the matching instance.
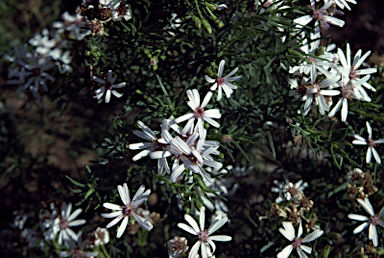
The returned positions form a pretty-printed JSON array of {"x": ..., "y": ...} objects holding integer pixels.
[
  {"x": 77, "y": 250},
  {"x": 204, "y": 235},
  {"x": 315, "y": 90},
  {"x": 128, "y": 210},
  {"x": 177, "y": 247},
  {"x": 355, "y": 175},
  {"x": 371, "y": 143},
  {"x": 101, "y": 236},
  {"x": 223, "y": 82},
  {"x": 154, "y": 144},
  {"x": 348, "y": 92},
  {"x": 297, "y": 242},
  {"x": 320, "y": 16},
  {"x": 75, "y": 24},
  {"x": 321, "y": 63},
  {"x": 196, "y": 159},
  {"x": 372, "y": 221},
  {"x": 198, "y": 112},
  {"x": 66, "y": 221},
  {"x": 288, "y": 191},
  {"x": 108, "y": 87},
  {"x": 352, "y": 71}
]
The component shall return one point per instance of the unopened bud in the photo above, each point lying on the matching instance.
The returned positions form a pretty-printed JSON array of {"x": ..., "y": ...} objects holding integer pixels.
[
  {"x": 153, "y": 61},
  {"x": 226, "y": 138}
]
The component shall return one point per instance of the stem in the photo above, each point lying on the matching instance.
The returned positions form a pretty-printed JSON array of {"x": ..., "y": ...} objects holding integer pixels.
[{"x": 198, "y": 9}]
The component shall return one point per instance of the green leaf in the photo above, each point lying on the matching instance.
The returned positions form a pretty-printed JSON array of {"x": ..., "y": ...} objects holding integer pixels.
[{"x": 75, "y": 182}]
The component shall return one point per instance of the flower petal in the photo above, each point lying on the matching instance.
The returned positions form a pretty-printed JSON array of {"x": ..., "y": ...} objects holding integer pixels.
[
  {"x": 286, "y": 252},
  {"x": 188, "y": 228},
  {"x": 122, "y": 227}
]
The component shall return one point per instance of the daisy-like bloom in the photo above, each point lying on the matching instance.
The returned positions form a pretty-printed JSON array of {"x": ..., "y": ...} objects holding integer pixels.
[
  {"x": 315, "y": 90},
  {"x": 195, "y": 158},
  {"x": 323, "y": 61},
  {"x": 297, "y": 242},
  {"x": 75, "y": 24},
  {"x": 77, "y": 250},
  {"x": 108, "y": 87},
  {"x": 119, "y": 11},
  {"x": 128, "y": 210},
  {"x": 204, "y": 235},
  {"x": 198, "y": 112},
  {"x": 355, "y": 175},
  {"x": 177, "y": 247},
  {"x": 348, "y": 92},
  {"x": 224, "y": 82},
  {"x": 352, "y": 71},
  {"x": 65, "y": 221},
  {"x": 154, "y": 144},
  {"x": 289, "y": 191},
  {"x": 320, "y": 16},
  {"x": 101, "y": 236},
  {"x": 372, "y": 221},
  {"x": 371, "y": 143}
]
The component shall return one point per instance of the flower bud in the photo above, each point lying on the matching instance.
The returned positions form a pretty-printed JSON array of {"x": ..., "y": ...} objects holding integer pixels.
[{"x": 226, "y": 138}]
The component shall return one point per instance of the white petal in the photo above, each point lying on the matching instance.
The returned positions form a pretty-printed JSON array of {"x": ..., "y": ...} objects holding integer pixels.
[
  {"x": 376, "y": 155},
  {"x": 111, "y": 215},
  {"x": 366, "y": 204},
  {"x": 306, "y": 249},
  {"x": 187, "y": 228},
  {"x": 112, "y": 206},
  {"x": 216, "y": 224},
  {"x": 301, "y": 253},
  {"x": 211, "y": 121},
  {"x": 144, "y": 223},
  {"x": 221, "y": 68},
  {"x": 286, "y": 252},
  {"x": 184, "y": 117},
  {"x": 315, "y": 234},
  {"x": 360, "y": 228},
  {"x": 195, "y": 248},
  {"x": 209, "y": 79},
  {"x": 140, "y": 145},
  {"x": 122, "y": 227},
  {"x": 358, "y": 217},
  {"x": 207, "y": 98},
  {"x": 369, "y": 129},
  {"x": 77, "y": 222},
  {"x": 141, "y": 154},
  {"x": 334, "y": 21},
  {"x": 202, "y": 218},
  {"x": 288, "y": 231},
  {"x": 303, "y": 20},
  {"x": 335, "y": 108},
  {"x": 213, "y": 113},
  {"x": 115, "y": 221},
  {"x": 344, "y": 110},
  {"x": 107, "y": 96},
  {"x": 362, "y": 59},
  {"x": 372, "y": 234},
  {"x": 74, "y": 214},
  {"x": 369, "y": 154},
  {"x": 192, "y": 222},
  {"x": 220, "y": 238}
]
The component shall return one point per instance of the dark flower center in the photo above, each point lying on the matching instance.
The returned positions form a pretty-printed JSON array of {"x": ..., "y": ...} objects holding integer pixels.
[
  {"x": 296, "y": 242},
  {"x": 108, "y": 85},
  {"x": 293, "y": 191},
  {"x": 203, "y": 236},
  {"x": 128, "y": 210},
  {"x": 375, "y": 220},
  {"x": 64, "y": 224},
  {"x": 199, "y": 112},
  {"x": 220, "y": 81},
  {"x": 36, "y": 72}
]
